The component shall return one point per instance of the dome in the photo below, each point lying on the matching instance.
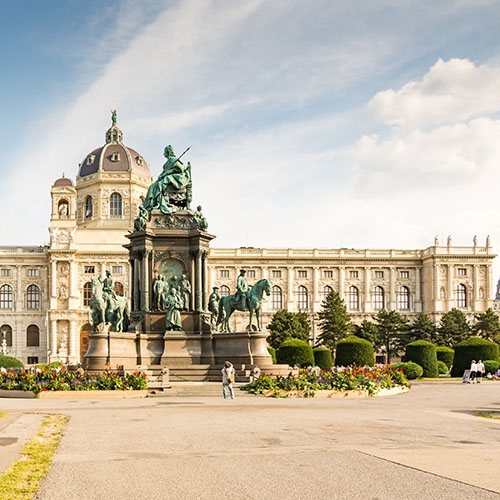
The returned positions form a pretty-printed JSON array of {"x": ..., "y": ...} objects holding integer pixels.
[
  {"x": 63, "y": 181},
  {"x": 114, "y": 156}
]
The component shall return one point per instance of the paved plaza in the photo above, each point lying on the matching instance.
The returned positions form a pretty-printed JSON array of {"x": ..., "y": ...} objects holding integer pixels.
[{"x": 423, "y": 444}]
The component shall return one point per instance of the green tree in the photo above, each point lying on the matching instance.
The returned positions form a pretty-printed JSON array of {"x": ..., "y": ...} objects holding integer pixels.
[
  {"x": 422, "y": 328},
  {"x": 487, "y": 325},
  {"x": 392, "y": 330},
  {"x": 368, "y": 331},
  {"x": 453, "y": 328},
  {"x": 334, "y": 320},
  {"x": 286, "y": 325}
]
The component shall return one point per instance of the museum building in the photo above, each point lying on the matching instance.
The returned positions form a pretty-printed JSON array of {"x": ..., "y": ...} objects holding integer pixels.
[{"x": 45, "y": 290}]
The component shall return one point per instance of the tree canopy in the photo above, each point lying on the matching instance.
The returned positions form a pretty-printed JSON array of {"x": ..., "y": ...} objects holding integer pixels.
[
  {"x": 453, "y": 328},
  {"x": 334, "y": 321},
  {"x": 392, "y": 331},
  {"x": 487, "y": 325},
  {"x": 286, "y": 325}
]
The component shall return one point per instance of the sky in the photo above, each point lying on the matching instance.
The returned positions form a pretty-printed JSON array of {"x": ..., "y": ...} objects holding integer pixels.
[{"x": 312, "y": 124}]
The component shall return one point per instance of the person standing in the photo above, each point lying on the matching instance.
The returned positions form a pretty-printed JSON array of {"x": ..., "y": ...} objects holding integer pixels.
[
  {"x": 227, "y": 379},
  {"x": 473, "y": 370},
  {"x": 480, "y": 371}
]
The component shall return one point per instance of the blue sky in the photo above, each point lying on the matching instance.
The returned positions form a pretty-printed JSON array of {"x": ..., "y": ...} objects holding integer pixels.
[{"x": 312, "y": 124}]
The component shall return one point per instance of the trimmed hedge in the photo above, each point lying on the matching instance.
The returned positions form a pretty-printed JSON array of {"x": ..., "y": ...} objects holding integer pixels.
[
  {"x": 491, "y": 366},
  {"x": 295, "y": 352},
  {"x": 442, "y": 368},
  {"x": 410, "y": 369},
  {"x": 424, "y": 354},
  {"x": 272, "y": 352},
  {"x": 445, "y": 354},
  {"x": 354, "y": 351},
  {"x": 323, "y": 358},
  {"x": 9, "y": 362},
  {"x": 472, "y": 348}
]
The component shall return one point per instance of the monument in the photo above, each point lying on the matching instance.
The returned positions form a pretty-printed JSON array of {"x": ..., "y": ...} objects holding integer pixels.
[{"x": 174, "y": 321}]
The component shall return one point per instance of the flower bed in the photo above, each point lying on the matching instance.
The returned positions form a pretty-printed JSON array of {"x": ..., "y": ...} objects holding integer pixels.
[
  {"x": 42, "y": 379},
  {"x": 305, "y": 383}
]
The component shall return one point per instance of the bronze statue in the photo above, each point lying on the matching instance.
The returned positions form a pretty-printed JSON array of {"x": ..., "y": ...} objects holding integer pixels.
[
  {"x": 173, "y": 304},
  {"x": 241, "y": 291},
  {"x": 213, "y": 304},
  {"x": 185, "y": 292},
  {"x": 103, "y": 310}
]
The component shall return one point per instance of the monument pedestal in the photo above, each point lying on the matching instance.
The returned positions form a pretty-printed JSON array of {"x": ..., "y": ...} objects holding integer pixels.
[
  {"x": 109, "y": 349},
  {"x": 241, "y": 348}
]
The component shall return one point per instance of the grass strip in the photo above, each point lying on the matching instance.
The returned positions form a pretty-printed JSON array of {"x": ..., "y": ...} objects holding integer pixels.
[
  {"x": 486, "y": 414},
  {"x": 22, "y": 479},
  {"x": 3, "y": 414}
]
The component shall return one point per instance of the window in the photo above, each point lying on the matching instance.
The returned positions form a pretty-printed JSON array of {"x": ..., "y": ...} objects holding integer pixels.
[
  {"x": 32, "y": 273},
  {"x": 32, "y": 336},
  {"x": 378, "y": 298},
  {"x": 115, "y": 205},
  {"x": 302, "y": 274},
  {"x": 32, "y": 360},
  {"x": 89, "y": 209},
  {"x": 89, "y": 269},
  {"x": 118, "y": 288},
  {"x": 379, "y": 274},
  {"x": 404, "y": 299},
  {"x": 117, "y": 269},
  {"x": 5, "y": 273},
  {"x": 276, "y": 298},
  {"x": 328, "y": 274},
  {"x": 326, "y": 290},
  {"x": 139, "y": 160},
  {"x": 115, "y": 156},
  {"x": 462, "y": 271},
  {"x": 461, "y": 293},
  {"x": 353, "y": 274},
  {"x": 90, "y": 159},
  {"x": 353, "y": 298},
  {"x": 224, "y": 273},
  {"x": 404, "y": 274},
  {"x": 302, "y": 302},
  {"x": 8, "y": 334},
  {"x": 224, "y": 291},
  {"x": 33, "y": 297},
  {"x": 87, "y": 294},
  {"x": 276, "y": 274},
  {"x": 6, "y": 297},
  {"x": 251, "y": 273}
]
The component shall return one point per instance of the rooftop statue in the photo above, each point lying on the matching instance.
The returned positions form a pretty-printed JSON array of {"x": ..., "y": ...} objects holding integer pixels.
[{"x": 172, "y": 189}]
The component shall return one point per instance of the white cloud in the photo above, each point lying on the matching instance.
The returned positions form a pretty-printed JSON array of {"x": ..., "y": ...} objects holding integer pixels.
[{"x": 452, "y": 90}]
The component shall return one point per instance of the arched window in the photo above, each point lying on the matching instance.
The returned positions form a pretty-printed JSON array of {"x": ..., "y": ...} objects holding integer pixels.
[
  {"x": 224, "y": 291},
  {"x": 276, "y": 297},
  {"x": 404, "y": 299},
  {"x": 8, "y": 334},
  {"x": 302, "y": 302},
  {"x": 32, "y": 336},
  {"x": 87, "y": 294},
  {"x": 353, "y": 298},
  {"x": 461, "y": 293},
  {"x": 326, "y": 290},
  {"x": 118, "y": 288},
  {"x": 89, "y": 208},
  {"x": 33, "y": 297},
  {"x": 115, "y": 205},
  {"x": 6, "y": 297},
  {"x": 378, "y": 298}
]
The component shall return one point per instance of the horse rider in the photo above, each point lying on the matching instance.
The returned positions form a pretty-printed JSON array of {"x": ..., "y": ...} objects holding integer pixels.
[
  {"x": 108, "y": 284},
  {"x": 241, "y": 290}
]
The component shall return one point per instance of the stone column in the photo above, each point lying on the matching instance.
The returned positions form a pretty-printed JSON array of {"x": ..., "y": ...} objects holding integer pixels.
[
  {"x": 418, "y": 291},
  {"x": 74, "y": 341},
  {"x": 135, "y": 284},
  {"x": 342, "y": 282},
  {"x": 204, "y": 299},
  {"x": 290, "y": 283},
  {"x": 53, "y": 279},
  {"x": 73, "y": 279},
  {"x": 392, "y": 290},
  {"x": 53, "y": 339},
  {"x": 145, "y": 280},
  {"x": 198, "y": 282},
  {"x": 449, "y": 283},
  {"x": 367, "y": 306}
]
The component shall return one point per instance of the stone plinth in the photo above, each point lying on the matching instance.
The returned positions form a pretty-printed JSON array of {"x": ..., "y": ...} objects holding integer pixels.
[
  {"x": 241, "y": 348},
  {"x": 180, "y": 349},
  {"x": 110, "y": 349}
]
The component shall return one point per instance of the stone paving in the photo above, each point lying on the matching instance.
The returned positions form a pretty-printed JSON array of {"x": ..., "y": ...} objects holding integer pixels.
[{"x": 422, "y": 444}]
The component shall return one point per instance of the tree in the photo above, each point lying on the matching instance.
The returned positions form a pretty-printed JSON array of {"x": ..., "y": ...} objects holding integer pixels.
[
  {"x": 487, "y": 325},
  {"x": 334, "y": 320},
  {"x": 286, "y": 325},
  {"x": 453, "y": 328},
  {"x": 368, "y": 331},
  {"x": 391, "y": 331},
  {"x": 422, "y": 328}
]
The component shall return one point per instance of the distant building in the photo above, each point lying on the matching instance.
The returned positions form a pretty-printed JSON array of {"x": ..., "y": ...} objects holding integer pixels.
[{"x": 44, "y": 291}]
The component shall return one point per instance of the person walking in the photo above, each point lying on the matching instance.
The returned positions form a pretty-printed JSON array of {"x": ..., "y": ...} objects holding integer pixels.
[
  {"x": 480, "y": 371},
  {"x": 473, "y": 370},
  {"x": 227, "y": 379}
]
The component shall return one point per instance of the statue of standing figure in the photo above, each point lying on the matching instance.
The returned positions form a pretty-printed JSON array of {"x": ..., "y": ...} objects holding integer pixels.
[
  {"x": 185, "y": 291},
  {"x": 160, "y": 289},
  {"x": 173, "y": 305},
  {"x": 241, "y": 290},
  {"x": 213, "y": 304}
]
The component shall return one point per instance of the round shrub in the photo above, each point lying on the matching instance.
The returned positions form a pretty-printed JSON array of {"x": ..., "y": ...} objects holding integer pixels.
[
  {"x": 491, "y": 366},
  {"x": 323, "y": 358},
  {"x": 8, "y": 362},
  {"x": 295, "y": 352},
  {"x": 424, "y": 354},
  {"x": 272, "y": 352},
  {"x": 410, "y": 369},
  {"x": 442, "y": 368},
  {"x": 472, "y": 348},
  {"x": 354, "y": 351},
  {"x": 445, "y": 354}
]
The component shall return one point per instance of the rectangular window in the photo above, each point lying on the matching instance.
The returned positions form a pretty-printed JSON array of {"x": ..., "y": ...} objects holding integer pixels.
[
  {"x": 32, "y": 273},
  {"x": 5, "y": 272},
  {"x": 117, "y": 269},
  {"x": 353, "y": 274},
  {"x": 379, "y": 274},
  {"x": 276, "y": 274},
  {"x": 32, "y": 360},
  {"x": 328, "y": 274},
  {"x": 405, "y": 274},
  {"x": 89, "y": 269},
  {"x": 224, "y": 273},
  {"x": 251, "y": 273},
  {"x": 462, "y": 271},
  {"x": 302, "y": 274}
]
